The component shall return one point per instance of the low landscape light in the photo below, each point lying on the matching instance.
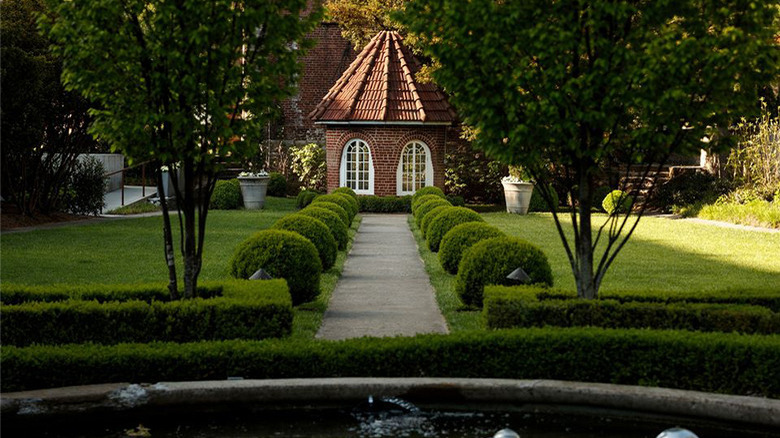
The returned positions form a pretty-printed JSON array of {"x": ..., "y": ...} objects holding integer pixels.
[
  {"x": 519, "y": 276},
  {"x": 260, "y": 274}
]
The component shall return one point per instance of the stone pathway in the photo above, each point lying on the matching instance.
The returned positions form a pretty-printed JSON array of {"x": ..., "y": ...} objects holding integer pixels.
[{"x": 384, "y": 289}]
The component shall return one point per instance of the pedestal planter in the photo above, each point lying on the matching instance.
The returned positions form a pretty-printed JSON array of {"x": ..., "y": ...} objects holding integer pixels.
[
  {"x": 517, "y": 196},
  {"x": 253, "y": 190}
]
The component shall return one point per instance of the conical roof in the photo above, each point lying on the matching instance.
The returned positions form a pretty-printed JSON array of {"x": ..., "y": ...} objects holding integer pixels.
[{"x": 380, "y": 86}]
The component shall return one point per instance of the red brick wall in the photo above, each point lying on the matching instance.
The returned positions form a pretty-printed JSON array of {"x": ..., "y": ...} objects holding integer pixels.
[{"x": 386, "y": 144}]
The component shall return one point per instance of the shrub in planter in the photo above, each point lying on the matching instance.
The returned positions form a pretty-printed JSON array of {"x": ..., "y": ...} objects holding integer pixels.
[
  {"x": 385, "y": 204},
  {"x": 339, "y": 210},
  {"x": 342, "y": 200},
  {"x": 282, "y": 254},
  {"x": 227, "y": 195},
  {"x": 316, "y": 231},
  {"x": 430, "y": 216},
  {"x": 430, "y": 190},
  {"x": 445, "y": 221},
  {"x": 277, "y": 185},
  {"x": 426, "y": 207},
  {"x": 304, "y": 198},
  {"x": 346, "y": 191},
  {"x": 459, "y": 239},
  {"x": 332, "y": 220},
  {"x": 617, "y": 201},
  {"x": 537, "y": 201},
  {"x": 416, "y": 202},
  {"x": 490, "y": 261}
]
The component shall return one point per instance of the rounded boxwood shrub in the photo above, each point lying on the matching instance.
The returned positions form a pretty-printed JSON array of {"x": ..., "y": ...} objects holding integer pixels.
[
  {"x": 342, "y": 201},
  {"x": 459, "y": 239},
  {"x": 430, "y": 216},
  {"x": 332, "y": 220},
  {"x": 304, "y": 198},
  {"x": 423, "y": 199},
  {"x": 346, "y": 191},
  {"x": 227, "y": 195},
  {"x": 445, "y": 221},
  {"x": 277, "y": 185},
  {"x": 316, "y": 231},
  {"x": 282, "y": 254},
  {"x": 430, "y": 190},
  {"x": 617, "y": 201},
  {"x": 490, "y": 261},
  {"x": 339, "y": 210},
  {"x": 424, "y": 208},
  {"x": 537, "y": 201},
  {"x": 353, "y": 203}
]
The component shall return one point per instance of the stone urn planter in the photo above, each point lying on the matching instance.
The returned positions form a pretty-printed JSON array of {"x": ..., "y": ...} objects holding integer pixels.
[
  {"x": 253, "y": 188},
  {"x": 517, "y": 195}
]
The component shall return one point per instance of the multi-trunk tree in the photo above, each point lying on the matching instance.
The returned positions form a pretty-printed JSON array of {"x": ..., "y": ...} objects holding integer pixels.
[
  {"x": 571, "y": 85},
  {"x": 188, "y": 84}
]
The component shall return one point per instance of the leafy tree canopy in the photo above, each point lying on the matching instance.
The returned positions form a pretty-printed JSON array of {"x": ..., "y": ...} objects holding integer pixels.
[{"x": 360, "y": 20}]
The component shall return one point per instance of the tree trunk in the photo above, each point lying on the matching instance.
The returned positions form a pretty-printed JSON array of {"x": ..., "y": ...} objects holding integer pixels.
[
  {"x": 173, "y": 287},
  {"x": 190, "y": 256},
  {"x": 586, "y": 285}
]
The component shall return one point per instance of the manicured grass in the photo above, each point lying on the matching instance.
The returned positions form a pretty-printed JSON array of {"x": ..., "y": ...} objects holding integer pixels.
[{"x": 663, "y": 254}]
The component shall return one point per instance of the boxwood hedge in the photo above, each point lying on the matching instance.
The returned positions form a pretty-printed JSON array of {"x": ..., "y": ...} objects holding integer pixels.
[
  {"x": 459, "y": 239},
  {"x": 226, "y": 195},
  {"x": 416, "y": 202},
  {"x": 339, "y": 210},
  {"x": 385, "y": 204},
  {"x": 424, "y": 208},
  {"x": 237, "y": 310},
  {"x": 304, "y": 198},
  {"x": 430, "y": 190},
  {"x": 332, "y": 220},
  {"x": 347, "y": 191},
  {"x": 432, "y": 214},
  {"x": 342, "y": 200},
  {"x": 445, "y": 221},
  {"x": 316, "y": 231}
]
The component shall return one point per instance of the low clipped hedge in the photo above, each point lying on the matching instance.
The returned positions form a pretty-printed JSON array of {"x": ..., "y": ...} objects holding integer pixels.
[
  {"x": 617, "y": 201},
  {"x": 445, "y": 221},
  {"x": 490, "y": 261},
  {"x": 430, "y": 190},
  {"x": 425, "y": 208},
  {"x": 416, "y": 202},
  {"x": 316, "y": 231},
  {"x": 459, "y": 239},
  {"x": 342, "y": 200},
  {"x": 282, "y": 254},
  {"x": 426, "y": 220},
  {"x": 507, "y": 307},
  {"x": 712, "y": 362},
  {"x": 335, "y": 208},
  {"x": 236, "y": 310},
  {"x": 17, "y": 294},
  {"x": 304, "y": 198},
  {"x": 334, "y": 223},
  {"x": 226, "y": 195},
  {"x": 385, "y": 204},
  {"x": 346, "y": 191}
]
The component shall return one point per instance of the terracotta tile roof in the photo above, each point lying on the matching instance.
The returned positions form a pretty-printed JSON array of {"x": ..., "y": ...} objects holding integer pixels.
[{"x": 380, "y": 86}]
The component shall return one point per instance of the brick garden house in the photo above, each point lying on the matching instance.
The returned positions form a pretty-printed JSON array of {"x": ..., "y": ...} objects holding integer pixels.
[{"x": 386, "y": 133}]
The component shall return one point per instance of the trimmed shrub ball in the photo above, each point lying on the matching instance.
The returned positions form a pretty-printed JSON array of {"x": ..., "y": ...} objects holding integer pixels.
[
  {"x": 282, "y": 254},
  {"x": 425, "y": 223},
  {"x": 304, "y": 198},
  {"x": 332, "y": 220},
  {"x": 430, "y": 190},
  {"x": 490, "y": 261},
  {"x": 346, "y": 191},
  {"x": 537, "y": 201},
  {"x": 341, "y": 200},
  {"x": 423, "y": 199},
  {"x": 424, "y": 208},
  {"x": 353, "y": 203},
  {"x": 277, "y": 185},
  {"x": 617, "y": 201},
  {"x": 339, "y": 210},
  {"x": 459, "y": 239},
  {"x": 316, "y": 231},
  {"x": 227, "y": 195},
  {"x": 445, "y": 221}
]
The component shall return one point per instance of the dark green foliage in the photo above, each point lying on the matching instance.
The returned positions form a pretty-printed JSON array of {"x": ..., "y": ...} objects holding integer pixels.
[
  {"x": 712, "y": 362},
  {"x": 490, "y": 261},
  {"x": 537, "y": 201},
  {"x": 445, "y": 221},
  {"x": 227, "y": 195},
  {"x": 305, "y": 197},
  {"x": 423, "y": 209},
  {"x": 347, "y": 191},
  {"x": 618, "y": 202},
  {"x": 342, "y": 200},
  {"x": 316, "y": 231},
  {"x": 237, "y": 310},
  {"x": 339, "y": 210},
  {"x": 459, "y": 239},
  {"x": 353, "y": 202},
  {"x": 430, "y": 190},
  {"x": 277, "y": 185},
  {"x": 85, "y": 187},
  {"x": 432, "y": 214},
  {"x": 686, "y": 189},
  {"x": 473, "y": 175},
  {"x": 599, "y": 193},
  {"x": 332, "y": 220},
  {"x": 456, "y": 201},
  {"x": 531, "y": 307},
  {"x": 17, "y": 294},
  {"x": 282, "y": 254},
  {"x": 420, "y": 200},
  {"x": 385, "y": 204}
]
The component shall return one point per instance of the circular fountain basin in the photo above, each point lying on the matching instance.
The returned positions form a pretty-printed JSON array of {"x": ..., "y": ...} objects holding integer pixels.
[{"x": 425, "y": 407}]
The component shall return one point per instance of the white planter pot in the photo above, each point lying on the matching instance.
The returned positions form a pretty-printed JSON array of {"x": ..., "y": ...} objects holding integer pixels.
[
  {"x": 253, "y": 190},
  {"x": 517, "y": 196}
]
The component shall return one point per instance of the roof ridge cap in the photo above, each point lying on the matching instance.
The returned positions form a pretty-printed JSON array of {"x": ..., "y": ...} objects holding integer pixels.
[
  {"x": 410, "y": 82},
  {"x": 386, "y": 77}
]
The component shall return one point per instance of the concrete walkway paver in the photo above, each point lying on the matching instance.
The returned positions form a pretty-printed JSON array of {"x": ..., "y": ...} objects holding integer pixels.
[{"x": 384, "y": 289}]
